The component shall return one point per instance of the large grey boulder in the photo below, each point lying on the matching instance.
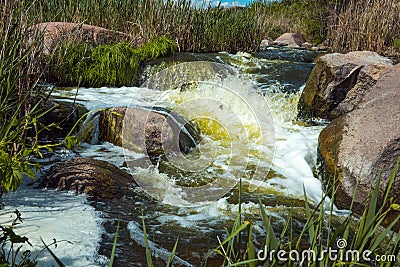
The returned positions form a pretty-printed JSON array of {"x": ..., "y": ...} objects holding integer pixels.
[
  {"x": 148, "y": 131},
  {"x": 97, "y": 178},
  {"x": 363, "y": 143},
  {"x": 291, "y": 40},
  {"x": 338, "y": 83}
]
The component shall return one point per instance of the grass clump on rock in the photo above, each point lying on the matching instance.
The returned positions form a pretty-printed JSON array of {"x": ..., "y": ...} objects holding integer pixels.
[
  {"x": 105, "y": 65},
  {"x": 396, "y": 43}
]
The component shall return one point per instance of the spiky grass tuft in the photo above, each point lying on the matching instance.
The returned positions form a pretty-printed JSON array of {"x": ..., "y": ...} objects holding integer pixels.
[{"x": 104, "y": 65}]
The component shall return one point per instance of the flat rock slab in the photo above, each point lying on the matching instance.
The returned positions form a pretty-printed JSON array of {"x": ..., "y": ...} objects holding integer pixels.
[{"x": 97, "y": 178}]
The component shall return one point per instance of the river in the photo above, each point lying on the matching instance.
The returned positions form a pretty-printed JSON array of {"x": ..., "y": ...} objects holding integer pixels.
[{"x": 252, "y": 133}]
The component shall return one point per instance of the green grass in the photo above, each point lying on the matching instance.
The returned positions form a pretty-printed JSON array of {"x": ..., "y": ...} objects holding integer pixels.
[
  {"x": 112, "y": 65},
  {"x": 306, "y": 17},
  {"x": 19, "y": 112},
  {"x": 206, "y": 29},
  {"x": 344, "y": 24},
  {"x": 396, "y": 43}
]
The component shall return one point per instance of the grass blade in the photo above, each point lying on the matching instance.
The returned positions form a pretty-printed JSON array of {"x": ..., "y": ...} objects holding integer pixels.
[
  {"x": 146, "y": 244},
  {"x": 114, "y": 247},
  {"x": 57, "y": 260},
  {"x": 172, "y": 256},
  {"x": 250, "y": 248},
  {"x": 271, "y": 240}
]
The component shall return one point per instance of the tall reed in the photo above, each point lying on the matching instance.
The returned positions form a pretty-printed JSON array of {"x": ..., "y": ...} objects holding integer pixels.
[
  {"x": 194, "y": 28},
  {"x": 365, "y": 25},
  {"x": 19, "y": 74}
]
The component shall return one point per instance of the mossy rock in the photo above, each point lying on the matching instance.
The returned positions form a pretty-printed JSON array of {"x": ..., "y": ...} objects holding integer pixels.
[
  {"x": 146, "y": 130},
  {"x": 362, "y": 145},
  {"x": 338, "y": 83}
]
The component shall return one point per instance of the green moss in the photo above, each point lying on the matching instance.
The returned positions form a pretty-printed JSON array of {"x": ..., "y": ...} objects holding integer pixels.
[
  {"x": 113, "y": 65},
  {"x": 396, "y": 43}
]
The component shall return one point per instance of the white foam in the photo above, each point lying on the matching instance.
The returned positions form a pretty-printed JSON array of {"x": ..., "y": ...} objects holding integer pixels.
[
  {"x": 50, "y": 214},
  {"x": 106, "y": 97}
]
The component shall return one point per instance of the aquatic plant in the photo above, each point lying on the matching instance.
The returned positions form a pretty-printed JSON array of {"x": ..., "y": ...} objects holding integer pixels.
[{"x": 113, "y": 65}]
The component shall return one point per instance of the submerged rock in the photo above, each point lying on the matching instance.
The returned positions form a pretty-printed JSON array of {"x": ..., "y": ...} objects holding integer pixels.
[
  {"x": 64, "y": 115},
  {"x": 364, "y": 143},
  {"x": 338, "y": 83},
  {"x": 147, "y": 131},
  {"x": 97, "y": 178}
]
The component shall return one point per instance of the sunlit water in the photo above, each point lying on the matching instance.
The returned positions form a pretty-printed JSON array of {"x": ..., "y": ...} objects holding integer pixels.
[{"x": 290, "y": 157}]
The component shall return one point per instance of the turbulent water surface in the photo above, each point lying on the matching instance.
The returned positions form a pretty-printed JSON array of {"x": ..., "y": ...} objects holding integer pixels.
[{"x": 261, "y": 142}]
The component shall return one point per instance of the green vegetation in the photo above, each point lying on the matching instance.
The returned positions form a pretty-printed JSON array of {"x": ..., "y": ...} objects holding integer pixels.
[
  {"x": 344, "y": 25},
  {"x": 306, "y": 17},
  {"x": 114, "y": 65},
  {"x": 355, "y": 234},
  {"x": 206, "y": 29},
  {"x": 9, "y": 238},
  {"x": 365, "y": 25},
  {"x": 319, "y": 233},
  {"x": 396, "y": 43},
  {"x": 19, "y": 73}
]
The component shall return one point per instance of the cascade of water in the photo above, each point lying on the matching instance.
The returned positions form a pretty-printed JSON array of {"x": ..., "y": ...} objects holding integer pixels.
[{"x": 239, "y": 141}]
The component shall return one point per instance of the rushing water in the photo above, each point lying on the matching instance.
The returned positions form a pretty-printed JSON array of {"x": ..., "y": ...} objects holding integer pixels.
[{"x": 277, "y": 78}]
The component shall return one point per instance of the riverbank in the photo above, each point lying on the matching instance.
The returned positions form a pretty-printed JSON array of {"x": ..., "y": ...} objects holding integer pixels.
[{"x": 343, "y": 26}]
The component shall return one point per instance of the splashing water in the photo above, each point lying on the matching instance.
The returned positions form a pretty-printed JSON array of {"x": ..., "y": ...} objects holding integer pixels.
[{"x": 248, "y": 130}]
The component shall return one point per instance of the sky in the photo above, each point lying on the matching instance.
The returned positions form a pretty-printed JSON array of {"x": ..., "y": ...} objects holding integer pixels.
[{"x": 228, "y": 3}]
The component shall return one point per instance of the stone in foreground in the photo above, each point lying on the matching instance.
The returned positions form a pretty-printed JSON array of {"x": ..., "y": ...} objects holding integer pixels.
[{"x": 364, "y": 143}]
